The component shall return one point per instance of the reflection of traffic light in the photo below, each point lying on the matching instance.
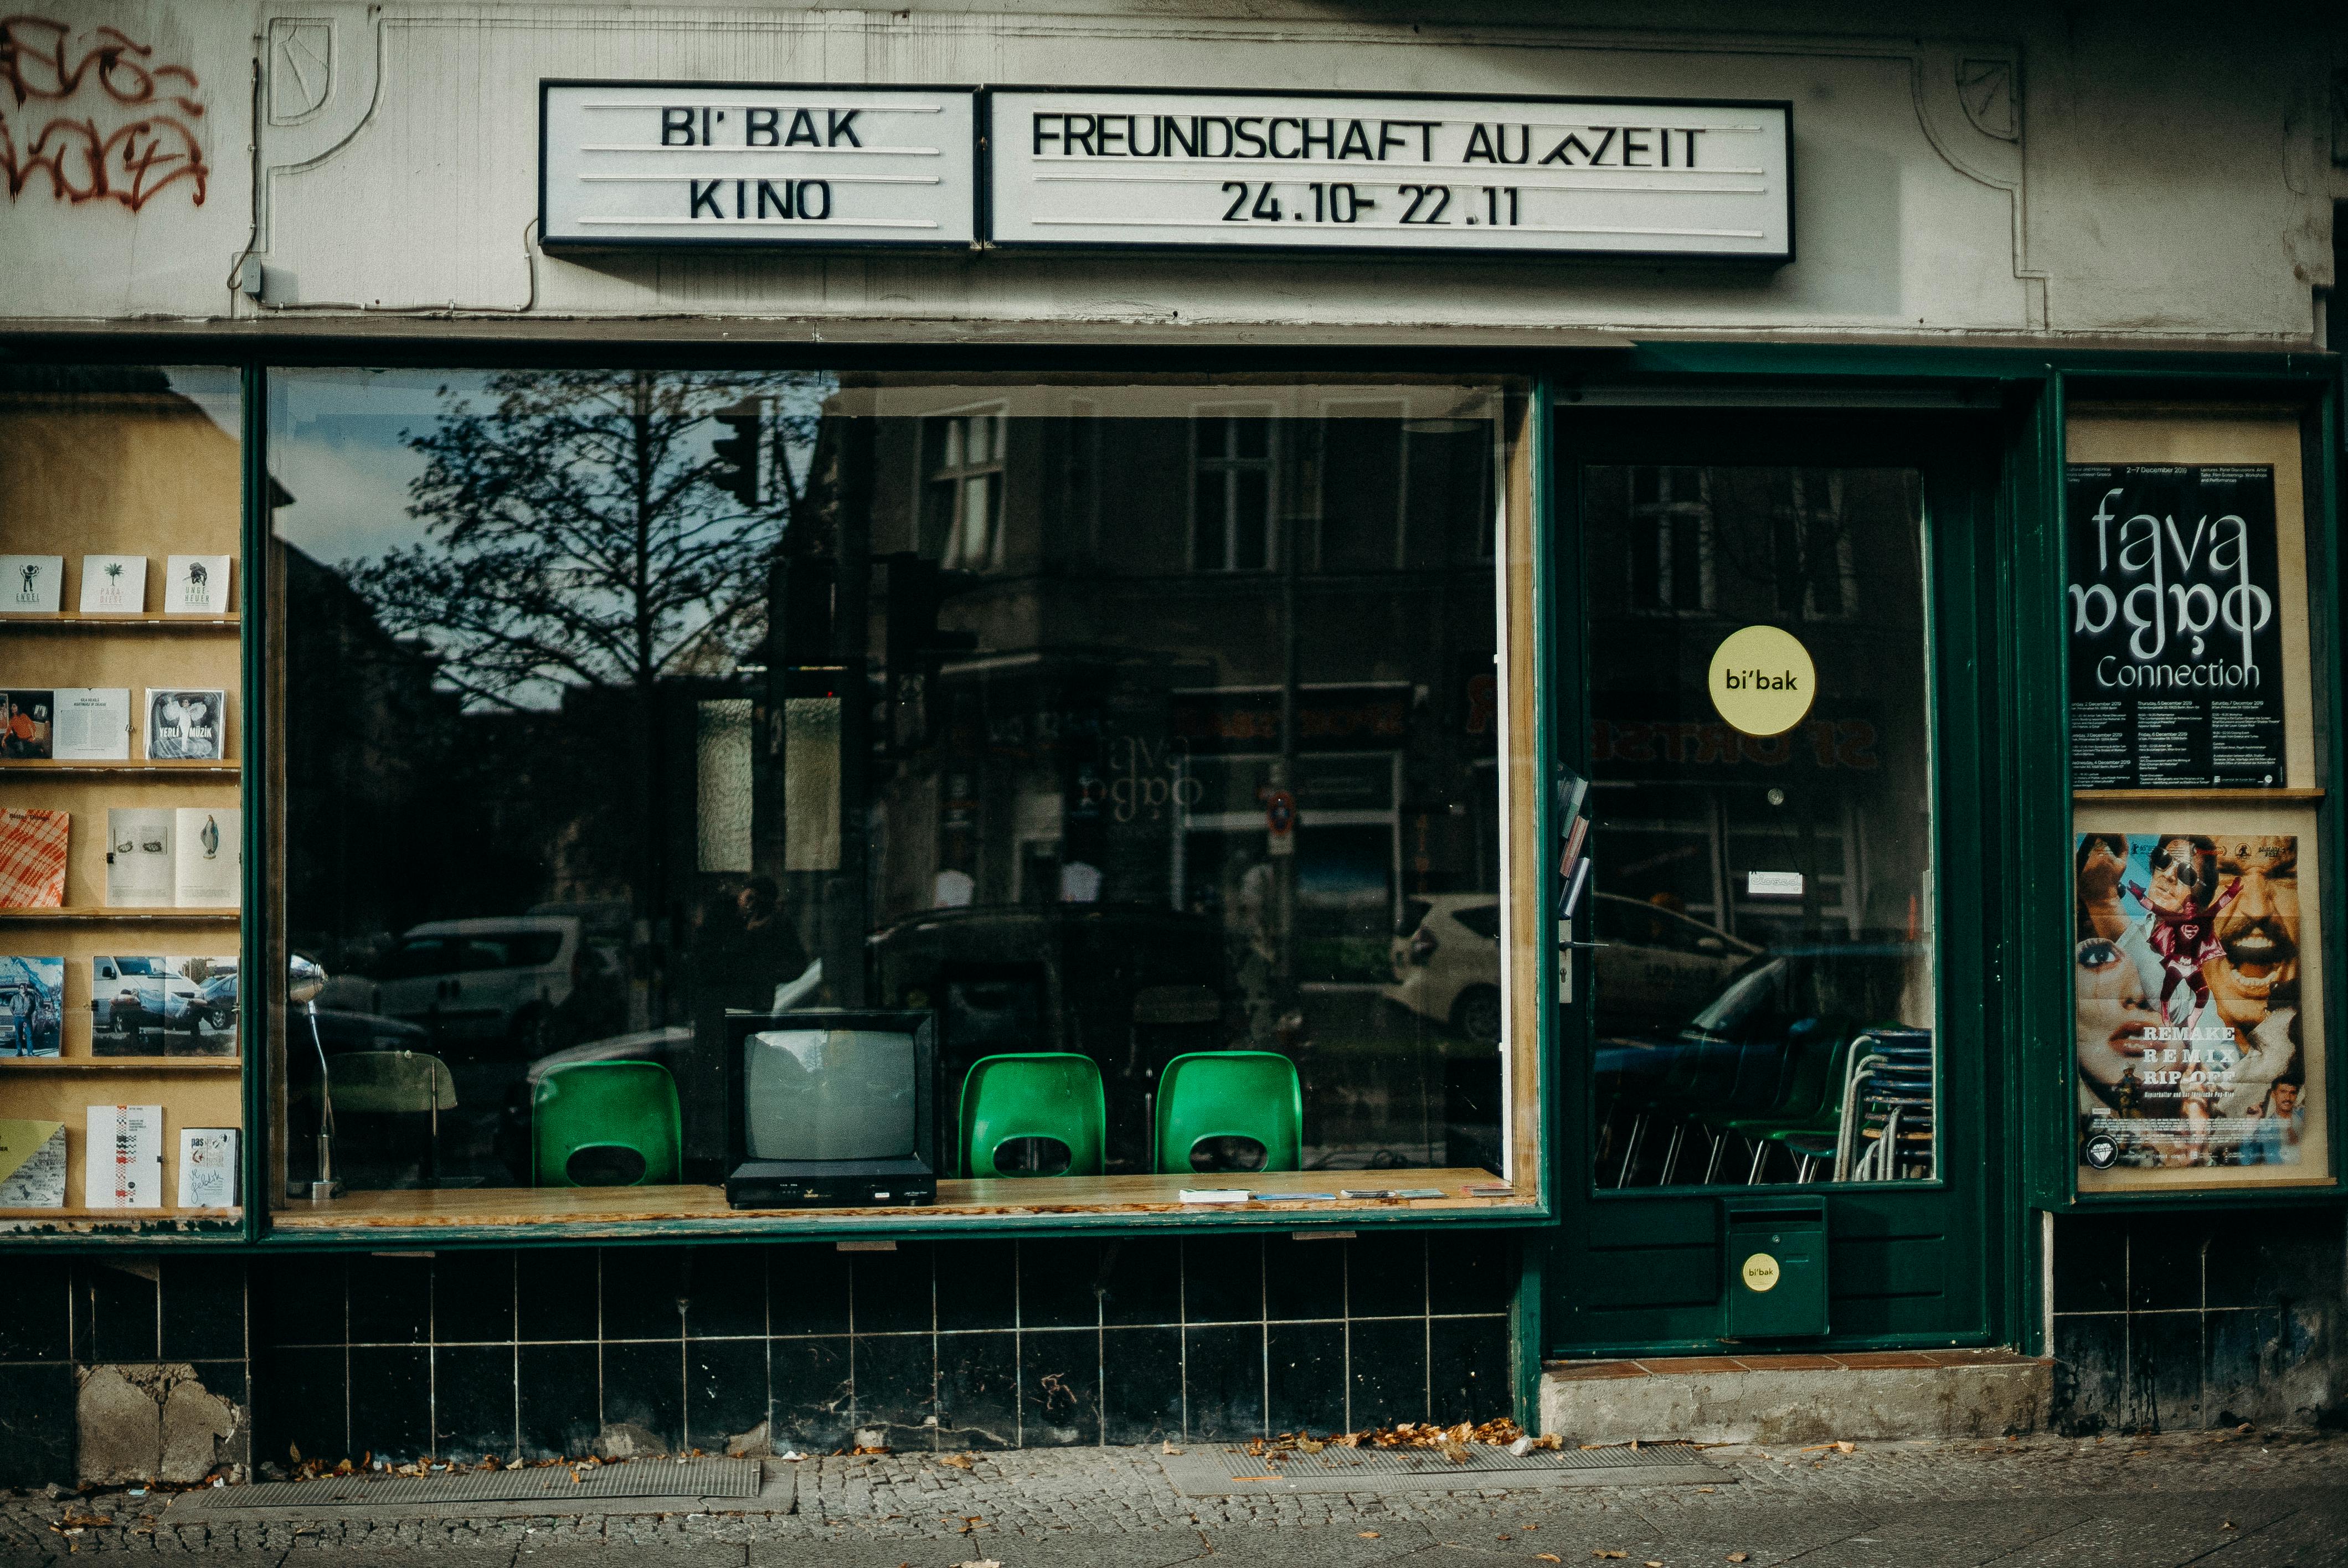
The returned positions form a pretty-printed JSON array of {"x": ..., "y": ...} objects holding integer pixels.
[
  {"x": 734, "y": 466},
  {"x": 918, "y": 589}
]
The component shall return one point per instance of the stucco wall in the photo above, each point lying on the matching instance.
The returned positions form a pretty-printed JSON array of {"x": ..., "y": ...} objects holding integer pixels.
[{"x": 2101, "y": 169}]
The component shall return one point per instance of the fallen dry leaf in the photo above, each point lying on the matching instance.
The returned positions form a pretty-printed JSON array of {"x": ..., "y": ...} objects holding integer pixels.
[
  {"x": 1168, "y": 1448},
  {"x": 1652, "y": 1563},
  {"x": 1739, "y": 1556},
  {"x": 2226, "y": 1524},
  {"x": 1708, "y": 1489},
  {"x": 1368, "y": 1534},
  {"x": 1601, "y": 1552},
  {"x": 979, "y": 1562},
  {"x": 1547, "y": 1557},
  {"x": 1309, "y": 1446},
  {"x": 960, "y": 1462}
]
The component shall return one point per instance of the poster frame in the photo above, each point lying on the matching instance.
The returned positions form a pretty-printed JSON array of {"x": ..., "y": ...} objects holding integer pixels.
[{"x": 2111, "y": 417}]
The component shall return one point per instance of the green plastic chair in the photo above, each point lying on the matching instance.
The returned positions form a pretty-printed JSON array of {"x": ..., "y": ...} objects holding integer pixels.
[
  {"x": 1033, "y": 1094},
  {"x": 1231, "y": 1094},
  {"x": 589, "y": 1107}
]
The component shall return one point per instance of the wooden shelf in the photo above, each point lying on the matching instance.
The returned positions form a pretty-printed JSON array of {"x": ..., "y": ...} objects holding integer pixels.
[
  {"x": 76, "y": 621},
  {"x": 2227, "y": 797},
  {"x": 47, "y": 768},
  {"x": 121, "y": 1064},
  {"x": 85, "y": 1213},
  {"x": 47, "y": 916}
]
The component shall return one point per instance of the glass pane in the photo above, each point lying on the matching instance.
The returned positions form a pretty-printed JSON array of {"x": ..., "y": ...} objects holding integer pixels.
[
  {"x": 1763, "y": 997},
  {"x": 576, "y": 765},
  {"x": 1251, "y": 519}
]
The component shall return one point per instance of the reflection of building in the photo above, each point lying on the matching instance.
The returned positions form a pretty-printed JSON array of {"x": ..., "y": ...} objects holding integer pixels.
[
  {"x": 1686, "y": 555},
  {"x": 1116, "y": 729}
]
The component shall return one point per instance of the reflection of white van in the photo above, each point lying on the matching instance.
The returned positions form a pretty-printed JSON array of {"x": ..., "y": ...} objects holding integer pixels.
[
  {"x": 487, "y": 980},
  {"x": 126, "y": 995}
]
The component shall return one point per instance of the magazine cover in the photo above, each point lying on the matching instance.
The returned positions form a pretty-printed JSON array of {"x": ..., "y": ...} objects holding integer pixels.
[
  {"x": 32, "y": 1006},
  {"x": 32, "y": 585},
  {"x": 2199, "y": 1049},
  {"x": 27, "y": 724},
  {"x": 186, "y": 726},
  {"x": 32, "y": 1164},
  {"x": 33, "y": 858}
]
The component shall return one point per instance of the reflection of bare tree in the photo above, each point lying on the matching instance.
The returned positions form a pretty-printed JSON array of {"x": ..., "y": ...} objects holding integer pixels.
[{"x": 584, "y": 530}]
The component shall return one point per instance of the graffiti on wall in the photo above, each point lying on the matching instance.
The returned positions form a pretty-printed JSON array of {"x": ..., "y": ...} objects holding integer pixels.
[{"x": 97, "y": 114}]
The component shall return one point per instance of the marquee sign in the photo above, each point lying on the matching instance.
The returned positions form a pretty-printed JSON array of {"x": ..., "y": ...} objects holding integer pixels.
[
  {"x": 1299, "y": 170},
  {"x": 631, "y": 164},
  {"x": 634, "y": 164}
]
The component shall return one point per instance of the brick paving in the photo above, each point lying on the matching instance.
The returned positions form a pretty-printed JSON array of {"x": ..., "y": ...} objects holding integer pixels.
[{"x": 2228, "y": 1500}]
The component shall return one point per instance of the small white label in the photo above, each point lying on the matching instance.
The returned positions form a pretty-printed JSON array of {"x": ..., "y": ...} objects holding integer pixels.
[{"x": 1773, "y": 883}]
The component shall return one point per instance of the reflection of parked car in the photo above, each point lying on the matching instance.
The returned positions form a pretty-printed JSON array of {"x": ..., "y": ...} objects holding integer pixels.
[
  {"x": 1130, "y": 986},
  {"x": 210, "y": 1009},
  {"x": 1657, "y": 967},
  {"x": 493, "y": 984},
  {"x": 128, "y": 995}
]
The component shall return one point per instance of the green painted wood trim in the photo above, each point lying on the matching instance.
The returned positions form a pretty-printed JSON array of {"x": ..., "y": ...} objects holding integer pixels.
[
  {"x": 912, "y": 1225},
  {"x": 2033, "y": 959},
  {"x": 252, "y": 924}
]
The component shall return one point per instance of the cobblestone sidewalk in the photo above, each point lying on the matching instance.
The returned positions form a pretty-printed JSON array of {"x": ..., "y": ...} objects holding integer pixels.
[{"x": 2227, "y": 1500}]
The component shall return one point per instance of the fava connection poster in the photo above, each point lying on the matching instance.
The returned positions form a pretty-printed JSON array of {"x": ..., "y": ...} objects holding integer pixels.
[{"x": 2176, "y": 643}]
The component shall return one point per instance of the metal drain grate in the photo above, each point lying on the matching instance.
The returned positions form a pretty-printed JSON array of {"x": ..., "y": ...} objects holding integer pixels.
[
  {"x": 1482, "y": 1456},
  {"x": 1220, "y": 1471},
  {"x": 639, "y": 1478}
]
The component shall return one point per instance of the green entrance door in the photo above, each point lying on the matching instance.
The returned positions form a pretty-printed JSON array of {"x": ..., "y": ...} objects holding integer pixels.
[{"x": 1776, "y": 1062}]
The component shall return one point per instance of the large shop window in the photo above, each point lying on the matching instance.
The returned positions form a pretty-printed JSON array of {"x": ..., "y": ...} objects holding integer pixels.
[{"x": 679, "y": 767}]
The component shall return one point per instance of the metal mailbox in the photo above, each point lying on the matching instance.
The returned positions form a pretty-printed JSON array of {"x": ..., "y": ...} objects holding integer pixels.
[{"x": 1776, "y": 1265}]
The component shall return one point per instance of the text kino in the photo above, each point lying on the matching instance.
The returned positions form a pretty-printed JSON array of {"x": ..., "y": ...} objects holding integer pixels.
[
  {"x": 809, "y": 199},
  {"x": 1303, "y": 138}
]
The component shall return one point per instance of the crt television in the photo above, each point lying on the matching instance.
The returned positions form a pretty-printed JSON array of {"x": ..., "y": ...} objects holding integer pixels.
[{"x": 832, "y": 1108}]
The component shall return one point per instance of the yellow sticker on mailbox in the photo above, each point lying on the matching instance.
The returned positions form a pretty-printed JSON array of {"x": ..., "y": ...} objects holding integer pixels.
[
  {"x": 1761, "y": 680},
  {"x": 1760, "y": 1272}
]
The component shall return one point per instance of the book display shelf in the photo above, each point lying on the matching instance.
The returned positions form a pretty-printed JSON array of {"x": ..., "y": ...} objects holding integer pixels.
[{"x": 120, "y": 1000}]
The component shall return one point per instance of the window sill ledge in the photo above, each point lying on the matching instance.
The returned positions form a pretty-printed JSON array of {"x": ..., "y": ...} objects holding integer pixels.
[{"x": 1037, "y": 1204}]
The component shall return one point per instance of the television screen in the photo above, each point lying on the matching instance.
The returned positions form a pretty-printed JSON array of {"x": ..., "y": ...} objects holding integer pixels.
[{"x": 828, "y": 1095}]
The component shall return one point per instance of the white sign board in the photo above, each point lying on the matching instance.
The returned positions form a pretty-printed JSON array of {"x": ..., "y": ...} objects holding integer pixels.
[
  {"x": 1297, "y": 170},
  {"x": 706, "y": 163}
]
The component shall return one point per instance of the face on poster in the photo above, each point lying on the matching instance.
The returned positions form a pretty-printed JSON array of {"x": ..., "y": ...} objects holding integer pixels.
[{"x": 2197, "y": 1049}]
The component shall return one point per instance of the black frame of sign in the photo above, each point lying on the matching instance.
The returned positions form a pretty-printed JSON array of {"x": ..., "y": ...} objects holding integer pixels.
[
  {"x": 982, "y": 178},
  {"x": 1585, "y": 258},
  {"x": 779, "y": 242}
]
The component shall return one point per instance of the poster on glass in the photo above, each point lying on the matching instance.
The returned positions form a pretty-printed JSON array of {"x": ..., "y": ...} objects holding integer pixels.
[{"x": 2200, "y": 1048}]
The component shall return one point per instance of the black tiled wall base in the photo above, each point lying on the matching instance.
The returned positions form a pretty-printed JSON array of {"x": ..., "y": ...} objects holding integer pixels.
[
  {"x": 949, "y": 1345},
  {"x": 65, "y": 1316},
  {"x": 2171, "y": 1322}
]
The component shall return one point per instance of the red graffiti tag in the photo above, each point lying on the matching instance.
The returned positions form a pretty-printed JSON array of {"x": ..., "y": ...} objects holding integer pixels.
[{"x": 39, "y": 62}]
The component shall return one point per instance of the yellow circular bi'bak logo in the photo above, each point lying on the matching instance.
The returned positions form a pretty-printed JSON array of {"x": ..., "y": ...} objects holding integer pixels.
[
  {"x": 1760, "y": 1272},
  {"x": 1761, "y": 680}
]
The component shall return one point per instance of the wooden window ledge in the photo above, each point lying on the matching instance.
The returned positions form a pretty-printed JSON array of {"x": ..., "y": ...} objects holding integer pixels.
[{"x": 1033, "y": 1198}]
